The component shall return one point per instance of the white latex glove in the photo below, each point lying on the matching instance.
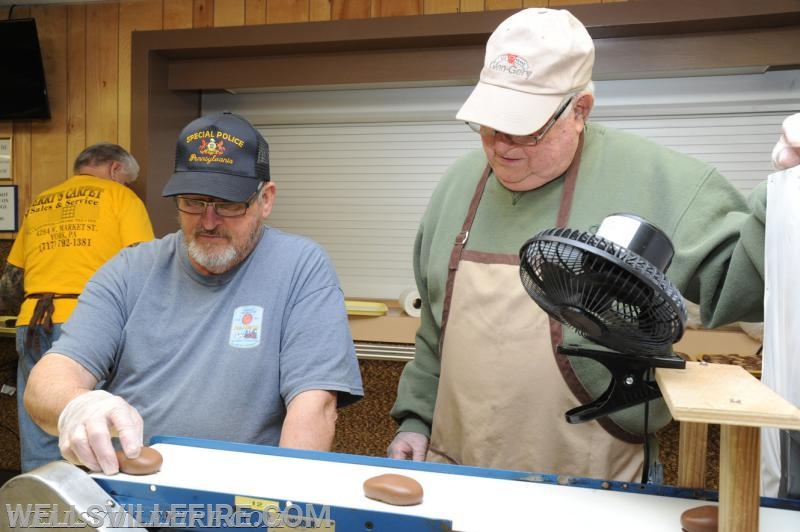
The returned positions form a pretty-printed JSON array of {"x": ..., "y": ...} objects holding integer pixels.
[
  {"x": 408, "y": 446},
  {"x": 87, "y": 424},
  {"x": 786, "y": 152}
]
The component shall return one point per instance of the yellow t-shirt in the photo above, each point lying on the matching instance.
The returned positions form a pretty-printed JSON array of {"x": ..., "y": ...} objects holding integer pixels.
[{"x": 69, "y": 231}]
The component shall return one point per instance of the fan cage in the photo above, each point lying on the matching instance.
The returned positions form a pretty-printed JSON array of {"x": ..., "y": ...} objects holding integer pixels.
[{"x": 630, "y": 305}]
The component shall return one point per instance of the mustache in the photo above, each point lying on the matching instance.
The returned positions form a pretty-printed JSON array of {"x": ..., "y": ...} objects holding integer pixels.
[{"x": 217, "y": 231}]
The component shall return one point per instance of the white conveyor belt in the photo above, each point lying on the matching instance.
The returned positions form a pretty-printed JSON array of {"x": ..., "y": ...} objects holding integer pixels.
[{"x": 471, "y": 502}]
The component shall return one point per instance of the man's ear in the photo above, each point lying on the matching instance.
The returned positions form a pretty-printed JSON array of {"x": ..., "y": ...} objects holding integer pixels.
[
  {"x": 115, "y": 172},
  {"x": 268, "y": 192},
  {"x": 583, "y": 106}
]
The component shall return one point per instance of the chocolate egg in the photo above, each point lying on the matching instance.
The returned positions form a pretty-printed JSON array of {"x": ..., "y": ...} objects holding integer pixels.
[
  {"x": 148, "y": 462},
  {"x": 700, "y": 519},
  {"x": 393, "y": 489}
]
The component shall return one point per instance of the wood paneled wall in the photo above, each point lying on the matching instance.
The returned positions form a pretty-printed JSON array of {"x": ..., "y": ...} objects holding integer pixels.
[{"x": 87, "y": 56}]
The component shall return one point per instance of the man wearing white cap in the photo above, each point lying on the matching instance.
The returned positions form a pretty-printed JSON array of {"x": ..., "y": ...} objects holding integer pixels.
[{"x": 486, "y": 387}]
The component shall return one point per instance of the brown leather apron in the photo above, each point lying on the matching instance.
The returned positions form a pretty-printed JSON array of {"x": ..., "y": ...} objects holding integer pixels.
[
  {"x": 502, "y": 390},
  {"x": 43, "y": 314}
]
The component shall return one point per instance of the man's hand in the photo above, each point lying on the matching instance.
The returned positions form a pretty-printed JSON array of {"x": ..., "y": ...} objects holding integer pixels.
[
  {"x": 408, "y": 446},
  {"x": 786, "y": 152},
  {"x": 87, "y": 424}
]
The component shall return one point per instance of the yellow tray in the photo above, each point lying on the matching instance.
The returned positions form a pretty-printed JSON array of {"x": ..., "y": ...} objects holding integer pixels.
[
  {"x": 365, "y": 308},
  {"x": 8, "y": 325}
]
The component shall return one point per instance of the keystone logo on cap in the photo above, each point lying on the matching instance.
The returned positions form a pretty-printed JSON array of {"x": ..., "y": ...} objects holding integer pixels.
[{"x": 211, "y": 147}]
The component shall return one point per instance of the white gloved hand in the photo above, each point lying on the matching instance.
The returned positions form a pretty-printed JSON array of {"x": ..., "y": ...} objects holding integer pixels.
[
  {"x": 87, "y": 424},
  {"x": 408, "y": 446},
  {"x": 786, "y": 152}
]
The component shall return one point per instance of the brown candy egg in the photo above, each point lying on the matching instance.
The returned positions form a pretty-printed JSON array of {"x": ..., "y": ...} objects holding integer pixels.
[
  {"x": 148, "y": 462},
  {"x": 700, "y": 519},
  {"x": 393, "y": 489}
]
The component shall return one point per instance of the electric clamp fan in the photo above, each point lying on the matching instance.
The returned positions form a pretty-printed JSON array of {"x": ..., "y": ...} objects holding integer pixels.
[{"x": 611, "y": 288}]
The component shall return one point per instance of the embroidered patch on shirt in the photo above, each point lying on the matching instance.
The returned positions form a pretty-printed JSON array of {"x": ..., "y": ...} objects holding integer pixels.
[{"x": 246, "y": 326}]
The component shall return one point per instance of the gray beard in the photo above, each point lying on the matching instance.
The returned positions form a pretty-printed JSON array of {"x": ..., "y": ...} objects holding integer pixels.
[
  {"x": 214, "y": 262},
  {"x": 229, "y": 257}
]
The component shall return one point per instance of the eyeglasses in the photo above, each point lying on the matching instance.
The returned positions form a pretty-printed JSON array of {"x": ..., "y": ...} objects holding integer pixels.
[
  {"x": 523, "y": 140},
  {"x": 226, "y": 209}
]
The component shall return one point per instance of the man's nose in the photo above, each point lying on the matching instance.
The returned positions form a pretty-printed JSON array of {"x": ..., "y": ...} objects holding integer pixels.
[
  {"x": 503, "y": 138},
  {"x": 210, "y": 218}
]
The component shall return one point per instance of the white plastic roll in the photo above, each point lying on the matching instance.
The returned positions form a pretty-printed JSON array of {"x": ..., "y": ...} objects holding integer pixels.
[{"x": 410, "y": 302}]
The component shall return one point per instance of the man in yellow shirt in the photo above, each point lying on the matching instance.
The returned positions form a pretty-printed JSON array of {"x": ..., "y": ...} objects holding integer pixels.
[{"x": 68, "y": 232}]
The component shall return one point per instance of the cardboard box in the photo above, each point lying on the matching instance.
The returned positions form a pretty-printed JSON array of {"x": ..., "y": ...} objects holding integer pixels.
[{"x": 697, "y": 342}]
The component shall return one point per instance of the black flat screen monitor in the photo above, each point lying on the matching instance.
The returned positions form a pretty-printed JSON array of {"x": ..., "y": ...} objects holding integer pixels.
[{"x": 23, "y": 91}]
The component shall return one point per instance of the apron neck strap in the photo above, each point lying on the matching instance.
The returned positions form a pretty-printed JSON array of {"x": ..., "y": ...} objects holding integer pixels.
[{"x": 461, "y": 238}]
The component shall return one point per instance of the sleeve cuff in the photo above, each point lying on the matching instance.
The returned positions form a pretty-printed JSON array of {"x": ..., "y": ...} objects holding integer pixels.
[{"x": 413, "y": 424}]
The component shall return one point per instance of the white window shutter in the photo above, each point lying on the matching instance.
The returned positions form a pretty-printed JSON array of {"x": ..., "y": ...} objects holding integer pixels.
[{"x": 354, "y": 168}]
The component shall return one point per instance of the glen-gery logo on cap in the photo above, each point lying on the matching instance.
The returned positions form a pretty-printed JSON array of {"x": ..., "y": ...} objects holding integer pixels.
[
  {"x": 212, "y": 146},
  {"x": 512, "y": 65}
]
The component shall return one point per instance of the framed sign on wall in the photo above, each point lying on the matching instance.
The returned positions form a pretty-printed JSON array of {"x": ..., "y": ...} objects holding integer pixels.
[
  {"x": 5, "y": 158},
  {"x": 8, "y": 208}
]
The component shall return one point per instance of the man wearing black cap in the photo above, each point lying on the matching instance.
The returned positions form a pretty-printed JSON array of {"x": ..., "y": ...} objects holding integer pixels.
[{"x": 227, "y": 329}]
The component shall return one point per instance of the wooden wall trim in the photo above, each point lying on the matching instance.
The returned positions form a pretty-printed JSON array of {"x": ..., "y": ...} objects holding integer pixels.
[
  {"x": 375, "y": 67},
  {"x": 419, "y": 31},
  {"x": 616, "y": 58},
  {"x": 633, "y": 39},
  {"x": 691, "y": 54}
]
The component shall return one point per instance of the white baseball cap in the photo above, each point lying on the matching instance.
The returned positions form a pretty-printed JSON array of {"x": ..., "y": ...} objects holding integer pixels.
[{"x": 534, "y": 59}]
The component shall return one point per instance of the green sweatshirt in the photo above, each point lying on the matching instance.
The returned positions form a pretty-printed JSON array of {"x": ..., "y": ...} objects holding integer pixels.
[{"x": 718, "y": 240}]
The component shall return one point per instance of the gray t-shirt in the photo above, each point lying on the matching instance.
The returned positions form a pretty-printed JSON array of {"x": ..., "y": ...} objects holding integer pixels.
[{"x": 216, "y": 356}]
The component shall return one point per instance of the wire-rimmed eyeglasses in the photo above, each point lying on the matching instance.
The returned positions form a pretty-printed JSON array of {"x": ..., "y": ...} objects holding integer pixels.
[
  {"x": 226, "y": 209},
  {"x": 523, "y": 140}
]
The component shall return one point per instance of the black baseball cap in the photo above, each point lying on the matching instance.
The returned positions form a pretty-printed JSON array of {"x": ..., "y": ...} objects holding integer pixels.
[{"x": 220, "y": 155}]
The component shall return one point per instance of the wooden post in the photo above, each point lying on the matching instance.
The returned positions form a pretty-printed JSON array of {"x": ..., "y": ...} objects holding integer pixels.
[
  {"x": 739, "y": 478},
  {"x": 692, "y": 446}
]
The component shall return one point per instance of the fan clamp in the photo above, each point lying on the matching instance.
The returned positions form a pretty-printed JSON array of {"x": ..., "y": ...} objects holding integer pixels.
[{"x": 611, "y": 287}]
